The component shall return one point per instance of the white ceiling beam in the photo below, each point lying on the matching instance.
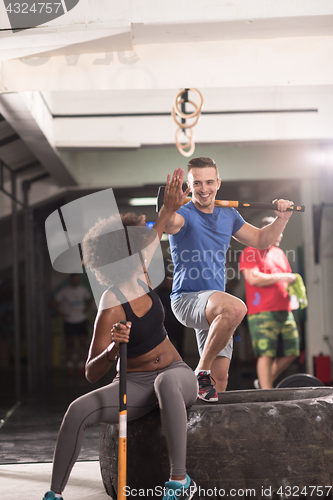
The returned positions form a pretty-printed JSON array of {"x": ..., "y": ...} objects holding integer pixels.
[
  {"x": 259, "y": 28},
  {"x": 15, "y": 110},
  {"x": 98, "y": 26},
  {"x": 228, "y": 63},
  {"x": 162, "y": 100},
  {"x": 95, "y": 38},
  {"x": 101, "y": 133},
  {"x": 230, "y": 115},
  {"x": 150, "y": 11},
  {"x": 245, "y": 115},
  {"x": 66, "y": 41}
]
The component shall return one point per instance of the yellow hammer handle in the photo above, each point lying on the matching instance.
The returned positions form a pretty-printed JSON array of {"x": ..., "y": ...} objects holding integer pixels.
[
  {"x": 122, "y": 455},
  {"x": 251, "y": 204},
  {"x": 218, "y": 203}
]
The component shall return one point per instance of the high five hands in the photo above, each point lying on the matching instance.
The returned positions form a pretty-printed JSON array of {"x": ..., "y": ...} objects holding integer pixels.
[{"x": 174, "y": 195}]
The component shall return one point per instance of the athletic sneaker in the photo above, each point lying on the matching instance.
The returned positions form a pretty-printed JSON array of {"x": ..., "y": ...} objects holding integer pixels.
[
  {"x": 256, "y": 384},
  {"x": 206, "y": 388},
  {"x": 177, "y": 491},
  {"x": 50, "y": 495}
]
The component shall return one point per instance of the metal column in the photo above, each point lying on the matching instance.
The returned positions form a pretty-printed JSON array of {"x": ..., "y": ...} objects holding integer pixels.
[
  {"x": 30, "y": 278},
  {"x": 32, "y": 310},
  {"x": 16, "y": 290},
  {"x": 16, "y": 282}
]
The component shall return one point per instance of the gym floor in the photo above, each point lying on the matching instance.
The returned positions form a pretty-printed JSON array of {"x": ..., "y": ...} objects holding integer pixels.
[{"x": 28, "y": 433}]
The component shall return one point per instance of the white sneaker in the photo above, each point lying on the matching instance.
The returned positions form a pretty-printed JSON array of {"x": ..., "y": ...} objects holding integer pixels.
[{"x": 256, "y": 384}]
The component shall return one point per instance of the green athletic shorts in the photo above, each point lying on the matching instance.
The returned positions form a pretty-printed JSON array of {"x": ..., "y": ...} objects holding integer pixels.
[{"x": 265, "y": 329}]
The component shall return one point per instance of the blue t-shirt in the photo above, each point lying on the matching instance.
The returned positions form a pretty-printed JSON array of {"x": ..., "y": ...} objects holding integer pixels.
[{"x": 199, "y": 249}]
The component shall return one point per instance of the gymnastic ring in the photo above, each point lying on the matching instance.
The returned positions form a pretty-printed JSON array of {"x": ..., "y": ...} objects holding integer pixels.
[
  {"x": 185, "y": 115},
  {"x": 196, "y": 112},
  {"x": 181, "y": 147},
  {"x": 187, "y": 153},
  {"x": 182, "y": 125},
  {"x": 190, "y": 137},
  {"x": 192, "y": 115}
]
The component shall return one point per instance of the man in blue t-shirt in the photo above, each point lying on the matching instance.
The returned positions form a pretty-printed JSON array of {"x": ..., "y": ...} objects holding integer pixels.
[{"x": 200, "y": 235}]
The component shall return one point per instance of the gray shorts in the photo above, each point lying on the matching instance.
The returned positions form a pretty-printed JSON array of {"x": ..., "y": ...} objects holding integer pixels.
[{"x": 189, "y": 309}]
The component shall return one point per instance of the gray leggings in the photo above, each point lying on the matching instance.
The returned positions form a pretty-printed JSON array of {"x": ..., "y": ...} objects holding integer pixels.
[{"x": 172, "y": 388}]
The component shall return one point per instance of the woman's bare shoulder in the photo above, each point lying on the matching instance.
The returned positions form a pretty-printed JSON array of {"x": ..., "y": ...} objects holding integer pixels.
[{"x": 108, "y": 301}]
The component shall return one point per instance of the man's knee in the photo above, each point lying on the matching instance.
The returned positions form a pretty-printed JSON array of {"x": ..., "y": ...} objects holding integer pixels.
[
  {"x": 240, "y": 311},
  {"x": 235, "y": 313},
  {"x": 228, "y": 307}
]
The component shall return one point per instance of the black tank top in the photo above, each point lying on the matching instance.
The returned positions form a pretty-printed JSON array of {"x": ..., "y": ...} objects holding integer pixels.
[{"x": 147, "y": 331}]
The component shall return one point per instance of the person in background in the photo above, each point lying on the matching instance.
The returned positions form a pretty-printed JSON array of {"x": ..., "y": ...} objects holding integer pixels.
[
  {"x": 267, "y": 274},
  {"x": 72, "y": 303}
]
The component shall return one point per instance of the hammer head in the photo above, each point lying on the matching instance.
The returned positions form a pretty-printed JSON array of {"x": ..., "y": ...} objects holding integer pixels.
[{"x": 160, "y": 198}]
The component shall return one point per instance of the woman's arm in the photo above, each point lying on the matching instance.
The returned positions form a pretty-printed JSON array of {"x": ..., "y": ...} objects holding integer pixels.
[
  {"x": 104, "y": 347},
  {"x": 173, "y": 199}
]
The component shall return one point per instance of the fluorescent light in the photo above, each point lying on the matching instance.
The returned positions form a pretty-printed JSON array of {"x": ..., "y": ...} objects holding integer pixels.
[{"x": 142, "y": 202}]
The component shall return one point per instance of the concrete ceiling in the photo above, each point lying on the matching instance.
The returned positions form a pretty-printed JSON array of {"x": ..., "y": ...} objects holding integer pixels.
[{"x": 105, "y": 74}]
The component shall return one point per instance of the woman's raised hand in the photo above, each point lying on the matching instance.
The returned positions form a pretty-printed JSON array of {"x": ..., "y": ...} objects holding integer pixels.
[{"x": 174, "y": 195}]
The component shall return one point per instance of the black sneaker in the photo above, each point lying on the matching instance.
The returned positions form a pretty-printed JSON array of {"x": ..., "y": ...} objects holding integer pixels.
[
  {"x": 206, "y": 388},
  {"x": 177, "y": 491}
]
